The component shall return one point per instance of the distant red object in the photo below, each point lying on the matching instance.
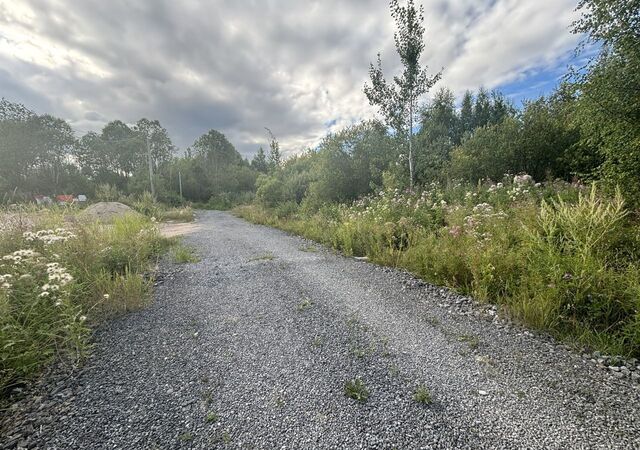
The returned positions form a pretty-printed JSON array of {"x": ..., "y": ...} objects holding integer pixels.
[{"x": 64, "y": 198}]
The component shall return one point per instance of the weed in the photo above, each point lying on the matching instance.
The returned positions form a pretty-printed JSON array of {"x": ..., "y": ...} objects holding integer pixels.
[
  {"x": 358, "y": 352},
  {"x": 183, "y": 254},
  {"x": 317, "y": 341},
  {"x": 422, "y": 395},
  {"x": 185, "y": 214},
  {"x": 356, "y": 390},
  {"x": 472, "y": 341},
  {"x": 305, "y": 304},
  {"x": 59, "y": 275},
  {"x": 207, "y": 397},
  {"x": 263, "y": 257},
  {"x": 211, "y": 417},
  {"x": 434, "y": 321},
  {"x": 186, "y": 437},
  {"x": 308, "y": 248}
]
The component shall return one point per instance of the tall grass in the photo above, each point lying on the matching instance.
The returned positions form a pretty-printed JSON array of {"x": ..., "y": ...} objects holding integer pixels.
[
  {"x": 559, "y": 257},
  {"x": 61, "y": 274}
]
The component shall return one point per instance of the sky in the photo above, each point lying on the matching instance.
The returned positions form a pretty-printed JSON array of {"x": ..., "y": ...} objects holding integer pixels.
[{"x": 295, "y": 66}]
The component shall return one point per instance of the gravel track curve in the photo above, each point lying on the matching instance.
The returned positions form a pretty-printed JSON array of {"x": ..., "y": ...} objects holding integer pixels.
[{"x": 251, "y": 347}]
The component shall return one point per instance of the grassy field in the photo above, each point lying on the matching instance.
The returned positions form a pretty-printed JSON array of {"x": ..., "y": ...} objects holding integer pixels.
[
  {"x": 558, "y": 257},
  {"x": 61, "y": 273}
]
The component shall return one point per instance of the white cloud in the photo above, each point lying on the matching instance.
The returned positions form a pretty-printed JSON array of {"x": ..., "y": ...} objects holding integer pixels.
[{"x": 293, "y": 66}]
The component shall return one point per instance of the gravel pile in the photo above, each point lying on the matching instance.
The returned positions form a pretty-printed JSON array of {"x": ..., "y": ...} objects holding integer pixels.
[
  {"x": 107, "y": 211},
  {"x": 252, "y": 347}
]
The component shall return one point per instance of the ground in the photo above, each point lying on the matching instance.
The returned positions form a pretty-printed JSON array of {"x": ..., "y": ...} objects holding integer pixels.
[{"x": 254, "y": 346}]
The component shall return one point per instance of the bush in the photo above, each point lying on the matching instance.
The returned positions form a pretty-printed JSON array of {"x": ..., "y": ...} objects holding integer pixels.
[{"x": 107, "y": 193}]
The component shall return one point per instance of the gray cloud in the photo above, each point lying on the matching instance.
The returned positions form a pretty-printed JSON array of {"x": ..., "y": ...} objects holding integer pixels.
[{"x": 297, "y": 67}]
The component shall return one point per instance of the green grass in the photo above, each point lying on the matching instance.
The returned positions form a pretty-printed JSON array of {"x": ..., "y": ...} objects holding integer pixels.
[
  {"x": 472, "y": 341},
  {"x": 356, "y": 390},
  {"x": 184, "y": 214},
  {"x": 183, "y": 254},
  {"x": 212, "y": 417},
  {"x": 186, "y": 437},
  {"x": 556, "y": 257},
  {"x": 422, "y": 395},
  {"x": 264, "y": 257},
  {"x": 305, "y": 304},
  {"x": 80, "y": 273}
]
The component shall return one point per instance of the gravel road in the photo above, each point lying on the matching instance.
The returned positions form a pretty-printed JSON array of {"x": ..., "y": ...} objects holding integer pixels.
[{"x": 251, "y": 348}]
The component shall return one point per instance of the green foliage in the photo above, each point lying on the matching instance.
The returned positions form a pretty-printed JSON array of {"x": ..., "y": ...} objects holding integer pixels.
[
  {"x": 356, "y": 390},
  {"x": 183, "y": 254},
  {"x": 398, "y": 100},
  {"x": 608, "y": 92},
  {"x": 556, "y": 256},
  {"x": 423, "y": 395},
  {"x": 58, "y": 279},
  {"x": 107, "y": 193},
  {"x": 184, "y": 214}
]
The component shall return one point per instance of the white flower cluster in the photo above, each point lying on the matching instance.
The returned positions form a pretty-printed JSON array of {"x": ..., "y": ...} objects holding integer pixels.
[
  {"x": 58, "y": 274},
  {"x": 19, "y": 256},
  {"x": 5, "y": 281},
  {"x": 483, "y": 208},
  {"x": 495, "y": 187},
  {"x": 49, "y": 237}
]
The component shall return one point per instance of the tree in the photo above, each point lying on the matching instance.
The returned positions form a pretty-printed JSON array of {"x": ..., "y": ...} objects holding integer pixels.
[
  {"x": 608, "y": 90},
  {"x": 275, "y": 159},
  {"x": 439, "y": 128},
  {"x": 125, "y": 146},
  {"x": 34, "y": 149},
  {"x": 397, "y": 101},
  {"x": 259, "y": 162},
  {"x": 466, "y": 115},
  {"x": 481, "y": 109},
  {"x": 159, "y": 141}
]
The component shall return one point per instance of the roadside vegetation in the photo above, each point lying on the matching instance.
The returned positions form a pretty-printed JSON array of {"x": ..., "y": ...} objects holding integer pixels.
[
  {"x": 61, "y": 274},
  {"x": 533, "y": 208},
  {"x": 559, "y": 256}
]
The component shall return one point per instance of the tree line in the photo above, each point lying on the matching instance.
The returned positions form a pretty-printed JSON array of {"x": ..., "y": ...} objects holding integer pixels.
[{"x": 588, "y": 129}]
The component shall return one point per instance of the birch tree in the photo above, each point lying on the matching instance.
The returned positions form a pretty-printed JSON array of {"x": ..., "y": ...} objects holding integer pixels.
[{"x": 398, "y": 100}]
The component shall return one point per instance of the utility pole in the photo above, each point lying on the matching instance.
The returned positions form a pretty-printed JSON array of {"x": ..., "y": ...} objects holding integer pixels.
[
  {"x": 153, "y": 190},
  {"x": 180, "y": 183}
]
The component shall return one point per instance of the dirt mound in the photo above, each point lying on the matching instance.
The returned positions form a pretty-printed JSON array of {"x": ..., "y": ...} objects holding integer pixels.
[{"x": 107, "y": 211}]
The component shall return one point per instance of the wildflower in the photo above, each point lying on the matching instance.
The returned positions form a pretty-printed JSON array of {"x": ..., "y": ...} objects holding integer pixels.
[
  {"x": 83, "y": 318},
  {"x": 6, "y": 285},
  {"x": 106, "y": 296},
  {"x": 58, "y": 303},
  {"x": 455, "y": 231},
  {"x": 44, "y": 294}
]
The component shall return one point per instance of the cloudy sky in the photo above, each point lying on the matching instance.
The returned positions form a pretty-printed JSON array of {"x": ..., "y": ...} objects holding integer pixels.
[{"x": 295, "y": 66}]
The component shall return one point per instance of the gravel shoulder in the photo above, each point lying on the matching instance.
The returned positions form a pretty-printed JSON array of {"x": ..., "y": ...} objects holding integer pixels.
[{"x": 251, "y": 348}]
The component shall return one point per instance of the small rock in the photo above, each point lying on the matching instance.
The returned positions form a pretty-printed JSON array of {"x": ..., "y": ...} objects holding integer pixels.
[{"x": 483, "y": 393}]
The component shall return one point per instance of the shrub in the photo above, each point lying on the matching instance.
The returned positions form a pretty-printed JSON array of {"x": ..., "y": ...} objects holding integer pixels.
[{"x": 107, "y": 193}]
